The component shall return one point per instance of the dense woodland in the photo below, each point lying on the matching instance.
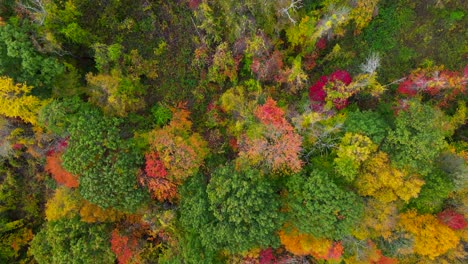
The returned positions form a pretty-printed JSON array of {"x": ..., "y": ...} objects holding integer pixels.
[{"x": 233, "y": 131}]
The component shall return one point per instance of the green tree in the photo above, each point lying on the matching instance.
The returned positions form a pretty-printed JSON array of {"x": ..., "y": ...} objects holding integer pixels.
[
  {"x": 106, "y": 164},
  {"x": 317, "y": 206},
  {"x": 72, "y": 241},
  {"x": 240, "y": 211},
  {"x": 433, "y": 194},
  {"x": 418, "y": 137},
  {"x": 368, "y": 123},
  {"x": 21, "y": 61}
]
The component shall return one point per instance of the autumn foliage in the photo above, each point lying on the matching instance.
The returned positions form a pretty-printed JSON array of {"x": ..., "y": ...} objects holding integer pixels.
[
  {"x": 431, "y": 237},
  {"x": 305, "y": 244},
  {"x": 443, "y": 85},
  {"x": 54, "y": 167},
  {"x": 175, "y": 154},
  {"x": 452, "y": 219},
  {"x": 278, "y": 146},
  {"x": 124, "y": 247},
  {"x": 335, "y": 81}
]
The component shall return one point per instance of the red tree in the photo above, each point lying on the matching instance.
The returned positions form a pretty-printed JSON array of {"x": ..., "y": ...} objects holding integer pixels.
[
  {"x": 318, "y": 95},
  {"x": 123, "y": 247},
  {"x": 452, "y": 219},
  {"x": 61, "y": 176}
]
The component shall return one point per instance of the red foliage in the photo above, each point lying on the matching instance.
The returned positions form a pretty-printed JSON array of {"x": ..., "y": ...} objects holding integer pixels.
[
  {"x": 342, "y": 76},
  {"x": 317, "y": 93},
  {"x": 444, "y": 86},
  {"x": 61, "y": 176},
  {"x": 154, "y": 166},
  {"x": 270, "y": 114},
  {"x": 335, "y": 252},
  {"x": 321, "y": 44},
  {"x": 161, "y": 189},
  {"x": 267, "y": 257},
  {"x": 193, "y": 4},
  {"x": 123, "y": 247},
  {"x": 452, "y": 219}
]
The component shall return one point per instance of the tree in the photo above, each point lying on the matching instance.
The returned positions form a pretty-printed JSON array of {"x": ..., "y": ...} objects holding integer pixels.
[
  {"x": 353, "y": 150},
  {"x": 239, "y": 211},
  {"x": 276, "y": 147},
  {"x": 124, "y": 247},
  {"x": 20, "y": 60},
  {"x": 418, "y": 137},
  {"x": 175, "y": 154},
  {"x": 379, "y": 220},
  {"x": 16, "y": 101},
  {"x": 367, "y": 123},
  {"x": 317, "y": 206},
  {"x": 304, "y": 244},
  {"x": 72, "y": 241},
  {"x": 116, "y": 94},
  {"x": 431, "y": 237},
  {"x": 386, "y": 183},
  {"x": 106, "y": 164},
  {"x": 433, "y": 194},
  {"x": 64, "y": 204}
]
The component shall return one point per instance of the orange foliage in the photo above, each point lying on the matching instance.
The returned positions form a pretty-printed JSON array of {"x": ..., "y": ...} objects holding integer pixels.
[
  {"x": 123, "y": 247},
  {"x": 54, "y": 167},
  {"x": 305, "y": 244},
  {"x": 161, "y": 189}
]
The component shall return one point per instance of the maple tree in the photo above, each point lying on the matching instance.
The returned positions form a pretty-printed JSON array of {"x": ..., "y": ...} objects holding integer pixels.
[
  {"x": 431, "y": 237},
  {"x": 277, "y": 147},
  {"x": 442, "y": 85},
  {"x": 452, "y": 219},
  {"x": 124, "y": 247},
  {"x": 379, "y": 220}
]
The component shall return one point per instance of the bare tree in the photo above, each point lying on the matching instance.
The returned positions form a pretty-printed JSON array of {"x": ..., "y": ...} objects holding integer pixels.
[
  {"x": 36, "y": 8},
  {"x": 294, "y": 6}
]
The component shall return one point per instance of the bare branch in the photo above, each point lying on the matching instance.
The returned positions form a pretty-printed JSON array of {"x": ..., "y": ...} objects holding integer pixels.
[{"x": 294, "y": 5}]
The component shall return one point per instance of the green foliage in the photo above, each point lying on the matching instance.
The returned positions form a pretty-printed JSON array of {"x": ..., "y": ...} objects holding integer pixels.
[
  {"x": 433, "y": 194},
  {"x": 240, "y": 211},
  {"x": 317, "y": 206},
  {"x": 105, "y": 163},
  {"x": 368, "y": 123},
  {"x": 161, "y": 114},
  {"x": 56, "y": 115},
  {"x": 418, "y": 137},
  {"x": 19, "y": 58},
  {"x": 72, "y": 241}
]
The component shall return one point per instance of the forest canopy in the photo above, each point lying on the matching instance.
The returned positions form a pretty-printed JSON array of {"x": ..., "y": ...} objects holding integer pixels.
[{"x": 233, "y": 131}]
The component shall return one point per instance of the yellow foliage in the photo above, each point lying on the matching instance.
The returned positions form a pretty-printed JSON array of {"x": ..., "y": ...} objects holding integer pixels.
[
  {"x": 431, "y": 238},
  {"x": 362, "y": 13},
  {"x": 16, "y": 101},
  {"x": 379, "y": 220},
  {"x": 64, "y": 204},
  {"x": 91, "y": 213},
  {"x": 385, "y": 183}
]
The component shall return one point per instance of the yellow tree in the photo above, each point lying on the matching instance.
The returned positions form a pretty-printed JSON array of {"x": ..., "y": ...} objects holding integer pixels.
[
  {"x": 384, "y": 182},
  {"x": 431, "y": 237},
  {"x": 16, "y": 101}
]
